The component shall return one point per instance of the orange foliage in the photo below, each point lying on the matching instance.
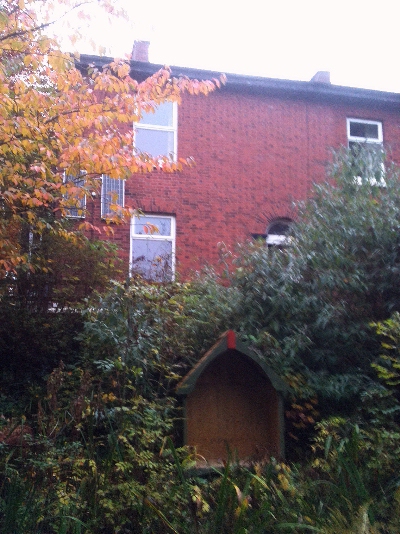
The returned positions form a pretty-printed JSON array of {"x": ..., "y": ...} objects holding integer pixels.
[{"x": 57, "y": 121}]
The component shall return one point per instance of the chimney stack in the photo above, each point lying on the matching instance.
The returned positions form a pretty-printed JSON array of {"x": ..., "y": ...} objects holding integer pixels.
[
  {"x": 140, "y": 51},
  {"x": 322, "y": 76}
]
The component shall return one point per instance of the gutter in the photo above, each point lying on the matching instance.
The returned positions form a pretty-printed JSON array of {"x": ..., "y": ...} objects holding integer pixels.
[{"x": 316, "y": 91}]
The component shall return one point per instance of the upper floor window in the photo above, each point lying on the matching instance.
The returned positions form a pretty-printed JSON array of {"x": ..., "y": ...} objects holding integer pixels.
[
  {"x": 75, "y": 204},
  {"x": 360, "y": 131},
  {"x": 153, "y": 247},
  {"x": 112, "y": 193},
  {"x": 365, "y": 139},
  {"x": 156, "y": 133}
]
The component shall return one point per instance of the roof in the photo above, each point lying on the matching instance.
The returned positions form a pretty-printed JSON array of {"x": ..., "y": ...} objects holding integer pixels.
[
  {"x": 226, "y": 342},
  {"x": 312, "y": 90}
]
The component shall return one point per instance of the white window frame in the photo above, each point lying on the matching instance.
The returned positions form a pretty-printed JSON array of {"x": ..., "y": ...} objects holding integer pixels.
[
  {"x": 378, "y": 142},
  {"x": 153, "y": 237},
  {"x": 106, "y": 198},
  {"x": 160, "y": 128},
  {"x": 356, "y": 139},
  {"x": 72, "y": 213}
]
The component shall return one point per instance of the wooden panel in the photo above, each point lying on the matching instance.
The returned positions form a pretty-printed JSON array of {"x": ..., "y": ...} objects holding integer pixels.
[{"x": 233, "y": 406}]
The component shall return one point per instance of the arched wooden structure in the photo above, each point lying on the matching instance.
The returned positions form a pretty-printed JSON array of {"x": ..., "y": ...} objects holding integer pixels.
[{"x": 233, "y": 404}]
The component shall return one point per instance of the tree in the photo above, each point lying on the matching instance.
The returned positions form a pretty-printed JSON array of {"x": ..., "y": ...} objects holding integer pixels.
[
  {"x": 61, "y": 129},
  {"x": 308, "y": 307},
  {"x": 58, "y": 122},
  {"x": 98, "y": 449}
]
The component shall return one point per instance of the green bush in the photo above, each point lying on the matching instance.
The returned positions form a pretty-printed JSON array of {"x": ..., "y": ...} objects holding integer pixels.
[{"x": 97, "y": 449}]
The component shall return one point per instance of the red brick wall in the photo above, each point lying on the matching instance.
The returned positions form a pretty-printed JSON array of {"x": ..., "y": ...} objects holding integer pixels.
[{"x": 254, "y": 155}]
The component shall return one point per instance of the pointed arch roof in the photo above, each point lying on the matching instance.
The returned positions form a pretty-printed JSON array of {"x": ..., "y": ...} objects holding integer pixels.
[{"x": 226, "y": 342}]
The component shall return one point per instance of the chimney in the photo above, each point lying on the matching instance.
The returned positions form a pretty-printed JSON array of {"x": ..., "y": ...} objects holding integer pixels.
[
  {"x": 322, "y": 76},
  {"x": 140, "y": 51}
]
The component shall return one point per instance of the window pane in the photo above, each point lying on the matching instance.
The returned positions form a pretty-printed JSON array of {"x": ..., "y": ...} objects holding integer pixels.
[
  {"x": 75, "y": 204},
  {"x": 364, "y": 129},
  {"x": 162, "y": 116},
  {"x": 278, "y": 228},
  {"x": 154, "y": 142},
  {"x": 163, "y": 224},
  {"x": 112, "y": 192},
  {"x": 152, "y": 259}
]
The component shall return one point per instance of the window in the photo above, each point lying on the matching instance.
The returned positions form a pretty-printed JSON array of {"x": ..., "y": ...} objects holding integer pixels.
[
  {"x": 156, "y": 133},
  {"x": 360, "y": 131},
  {"x": 74, "y": 204},
  {"x": 277, "y": 233},
  {"x": 112, "y": 192},
  {"x": 365, "y": 140},
  {"x": 153, "y": 247}
]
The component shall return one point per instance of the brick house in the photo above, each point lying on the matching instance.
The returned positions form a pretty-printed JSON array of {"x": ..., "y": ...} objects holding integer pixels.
[{"x": 258, "y": 144}]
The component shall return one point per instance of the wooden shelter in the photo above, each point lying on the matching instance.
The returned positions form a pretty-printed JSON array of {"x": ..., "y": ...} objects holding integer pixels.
[{"x": 233, "y": 404}]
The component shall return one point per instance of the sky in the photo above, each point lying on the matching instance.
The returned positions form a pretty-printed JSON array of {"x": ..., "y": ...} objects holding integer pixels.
[{"x": 357, "y": 41}]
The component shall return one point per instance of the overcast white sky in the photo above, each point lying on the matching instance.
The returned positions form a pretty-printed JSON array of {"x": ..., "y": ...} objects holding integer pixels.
[{"x": 357, "y": 41}]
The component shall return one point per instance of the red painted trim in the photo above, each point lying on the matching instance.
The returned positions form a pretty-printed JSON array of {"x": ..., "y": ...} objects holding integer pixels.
[{"x": 231, "y": 339}]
